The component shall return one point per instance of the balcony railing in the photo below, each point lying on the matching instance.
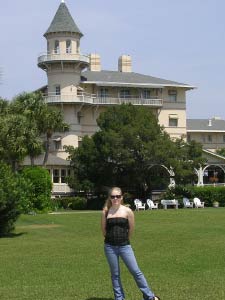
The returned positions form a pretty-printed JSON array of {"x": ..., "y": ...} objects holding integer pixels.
[
  {"x": 47, "y": 57},
  {"x": 135, "y": 101},
  {"x": 96, "y": 100}
]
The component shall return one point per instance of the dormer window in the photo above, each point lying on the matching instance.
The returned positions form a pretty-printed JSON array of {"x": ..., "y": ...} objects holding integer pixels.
[
  {"x": 68, "y": 46},
  {"x": 56, "y": 48}
]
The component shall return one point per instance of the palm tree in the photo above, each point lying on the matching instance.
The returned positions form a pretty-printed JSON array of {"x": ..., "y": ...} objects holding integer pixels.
[{"x": 51, "y": 121}]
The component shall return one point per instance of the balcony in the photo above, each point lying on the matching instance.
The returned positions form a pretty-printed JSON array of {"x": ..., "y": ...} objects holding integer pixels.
[
  {"x": 92, "y": 99},
  {"x": 54, "y": 57}
]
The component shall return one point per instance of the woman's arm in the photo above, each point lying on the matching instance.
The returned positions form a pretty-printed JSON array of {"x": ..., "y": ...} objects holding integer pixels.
[
  {"x": 103, "y": 222},
  {"x": 131, "y": 222}
]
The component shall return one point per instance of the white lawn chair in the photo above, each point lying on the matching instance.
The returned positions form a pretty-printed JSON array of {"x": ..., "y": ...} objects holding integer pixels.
[
  {"x": 151, "y": 204},
  {"x": 187, "y": 203},
  {"x": 198, "y": 203},
  {"x": 139, "y": 205}
]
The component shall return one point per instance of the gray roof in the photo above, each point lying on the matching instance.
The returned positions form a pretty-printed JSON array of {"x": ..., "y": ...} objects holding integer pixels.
[
  {"x": 129, "y": 78},
  {"x": 203, "y": 125},
  {"x": 52, "y": 161},
  {"x": 63, "y": 22}
]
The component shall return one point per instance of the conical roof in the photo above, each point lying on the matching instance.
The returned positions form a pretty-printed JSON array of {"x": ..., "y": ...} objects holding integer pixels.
[{"x": 63, "y": 22}]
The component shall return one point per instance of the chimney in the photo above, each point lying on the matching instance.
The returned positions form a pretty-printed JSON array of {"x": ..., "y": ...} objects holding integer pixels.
[
  {"x": 124, "y": 63},
  {"x": 95, "y": 62},
  {"x": 210, "y": 122}
]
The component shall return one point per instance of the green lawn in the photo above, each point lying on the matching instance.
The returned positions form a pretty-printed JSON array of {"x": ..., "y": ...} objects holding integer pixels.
[{"x": 60, "y": 257}]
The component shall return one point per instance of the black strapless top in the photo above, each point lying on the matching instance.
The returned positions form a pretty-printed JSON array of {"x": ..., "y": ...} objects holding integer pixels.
[{"x": 117, "y": 231}]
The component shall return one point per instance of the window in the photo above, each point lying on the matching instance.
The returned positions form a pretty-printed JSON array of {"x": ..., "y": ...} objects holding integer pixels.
[
  {"x": 57, "y": 90},
  {"x": 224, "y": 138},
  {"x": 56, "y": 175},
  {"x": 63, "y": 175},
  {"x": 209, "y": 138},
  {"x": 203, "y": 138},
  {"x": 188, "y": 138},
  {"x": 56, "y": 48},
  {"x": 104, "y": 93},
  {"x": 125, "y": 94},
  {"x": 68, "y": 46},
  {"x": 79, "y": 141},
  {"x": 173, "y": 122},
  {"x": 172, "y": 95},
  {"x": 57, "y": 144},
  {"x": 77, "y": 46},
  {"x": 146, "y": 94}
]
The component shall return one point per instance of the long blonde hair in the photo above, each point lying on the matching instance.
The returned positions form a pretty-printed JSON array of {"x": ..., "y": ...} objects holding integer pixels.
[{"x": 108, "y": 202}]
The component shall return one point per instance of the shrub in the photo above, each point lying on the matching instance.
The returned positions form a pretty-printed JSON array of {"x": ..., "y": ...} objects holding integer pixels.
[
  {"x": 96, "y": 202},
  {"x": 74, "y": 203},
  {"x": 11, "y": 193},
  {"x": 41, "y": 187},
  {"x": 208, "y": 194}
]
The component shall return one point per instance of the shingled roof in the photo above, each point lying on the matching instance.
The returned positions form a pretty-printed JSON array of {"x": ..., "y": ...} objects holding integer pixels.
[
  {"x": 208, "y": 125},
  {"x": 63, "y": 22},
  {"x": 116, "y": 78}
]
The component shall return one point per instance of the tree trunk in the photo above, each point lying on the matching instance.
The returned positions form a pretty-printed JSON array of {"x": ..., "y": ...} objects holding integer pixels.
[{"x": 47, "y": 147}]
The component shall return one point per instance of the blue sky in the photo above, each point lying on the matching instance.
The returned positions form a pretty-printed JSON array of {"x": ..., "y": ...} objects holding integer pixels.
[{"x": 176, "y": 40}]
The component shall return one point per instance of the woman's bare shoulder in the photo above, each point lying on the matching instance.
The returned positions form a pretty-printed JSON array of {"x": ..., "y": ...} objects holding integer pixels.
[{"x": 128, "y": 210}]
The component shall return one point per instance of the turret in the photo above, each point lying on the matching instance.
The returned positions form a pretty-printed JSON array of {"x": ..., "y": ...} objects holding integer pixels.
[{"x": 63, "y": 61}]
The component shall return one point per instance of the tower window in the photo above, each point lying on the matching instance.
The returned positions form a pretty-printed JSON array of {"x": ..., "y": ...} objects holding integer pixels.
[
  {"x": 68, "y": 46},
  {"x": 78, "y": 46},
  {"x": 56, "y": 48}
]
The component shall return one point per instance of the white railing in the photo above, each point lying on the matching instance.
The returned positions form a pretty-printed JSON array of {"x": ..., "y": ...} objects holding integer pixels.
[
  {"x": 135, "y": 101},
  {"x": 81, "y": 97},
  {"x": 45, "y": 57},
  {"x": 61, "y": 188}
]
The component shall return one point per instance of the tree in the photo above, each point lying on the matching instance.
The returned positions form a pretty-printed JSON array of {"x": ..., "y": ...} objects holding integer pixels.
[
  {"x": 13, "y": 192},
  {"x": 129, "y": 141},
  {"x": 41, "y": 120},
  {"x": 189, "y": 157},
  {"x": 12, "y": 139},
  {"x": 221, "y": 151},
  {"x": 51, "y": 121},
  {"x": 41, "y": 187}
]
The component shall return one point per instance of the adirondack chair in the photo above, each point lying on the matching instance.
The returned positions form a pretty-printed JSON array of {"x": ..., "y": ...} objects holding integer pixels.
[
  {"x": 187, "y": 203},
  {"x": 198, "y": 203},
  {"x": 151, "y": 204},
  {"x": 139, "y": 205}
]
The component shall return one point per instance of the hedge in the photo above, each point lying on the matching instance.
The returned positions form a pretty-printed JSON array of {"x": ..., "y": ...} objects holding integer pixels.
[{"x": 207, "y": 194}]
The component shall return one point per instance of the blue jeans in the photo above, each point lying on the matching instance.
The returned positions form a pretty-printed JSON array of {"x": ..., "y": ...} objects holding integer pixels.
[{"x": 126, "y": 253}]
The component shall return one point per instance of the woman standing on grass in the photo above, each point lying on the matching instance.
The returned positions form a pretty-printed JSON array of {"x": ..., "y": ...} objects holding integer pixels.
[{"x": 117, "y": 227}]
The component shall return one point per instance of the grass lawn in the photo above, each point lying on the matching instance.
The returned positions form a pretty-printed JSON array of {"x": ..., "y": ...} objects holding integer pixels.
[{"x": 60, "y": 257}]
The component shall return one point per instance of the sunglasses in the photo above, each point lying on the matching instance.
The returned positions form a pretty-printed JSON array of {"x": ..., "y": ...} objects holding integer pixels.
[{"x": 115, "y": 196}]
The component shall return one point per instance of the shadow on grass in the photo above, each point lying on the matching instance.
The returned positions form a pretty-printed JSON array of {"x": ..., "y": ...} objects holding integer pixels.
[
  {"x": 13, "y": 235},
  {"x": 95, "y": 298}
]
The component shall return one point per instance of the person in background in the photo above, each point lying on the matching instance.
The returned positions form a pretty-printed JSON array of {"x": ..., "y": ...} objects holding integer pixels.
[{"x": 117, "y": 226}]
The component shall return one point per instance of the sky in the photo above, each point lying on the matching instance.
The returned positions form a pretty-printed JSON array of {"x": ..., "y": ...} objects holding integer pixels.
[{"x": 177, "y": 40}]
